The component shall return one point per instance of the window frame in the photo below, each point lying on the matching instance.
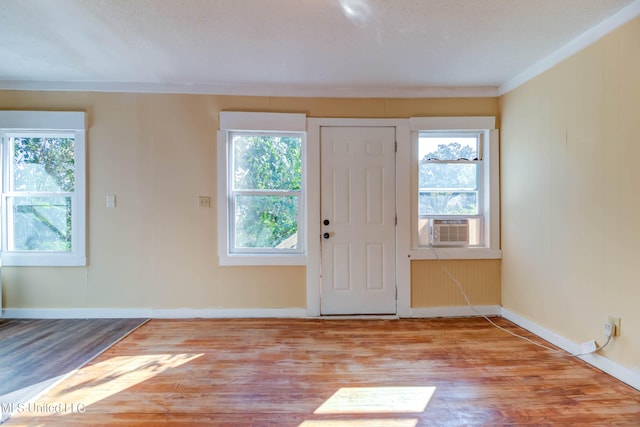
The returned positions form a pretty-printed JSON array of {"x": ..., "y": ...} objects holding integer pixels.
[
  {"x": 256, "y": 123},
  {"x": 50, "y": 124},
  {"x": 488, "y": 185}
]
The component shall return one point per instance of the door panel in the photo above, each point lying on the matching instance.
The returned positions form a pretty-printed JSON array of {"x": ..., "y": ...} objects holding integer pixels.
[{"x": 358, "y": 200}]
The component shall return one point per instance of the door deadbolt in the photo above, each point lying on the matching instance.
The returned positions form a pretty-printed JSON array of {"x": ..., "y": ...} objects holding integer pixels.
[{"x": 326, "y": 222}]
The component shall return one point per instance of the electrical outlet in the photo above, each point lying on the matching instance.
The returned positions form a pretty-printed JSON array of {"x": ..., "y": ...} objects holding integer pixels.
[
  {"x": 616, "y": 321},
  {"x": 204, "y": 201}
]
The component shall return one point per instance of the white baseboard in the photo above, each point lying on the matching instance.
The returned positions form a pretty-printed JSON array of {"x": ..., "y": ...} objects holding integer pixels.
[
  {"x": 76, "y": 313},
  {"x": 359, "y": 317},
  {"x": 457, "y": 311},
  {"x": 214, "y": 313},
  {"x": 612, "y": 368},
  {"x": 145, "y": 313}
]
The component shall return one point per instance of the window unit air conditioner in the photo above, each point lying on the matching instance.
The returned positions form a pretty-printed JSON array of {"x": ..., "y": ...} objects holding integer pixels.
[{"x": 449, "y": 232}]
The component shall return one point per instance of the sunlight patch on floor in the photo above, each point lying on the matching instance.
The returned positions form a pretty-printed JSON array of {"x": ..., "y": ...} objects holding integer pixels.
[
  {"x": 390, "y": 422},
  {"x": 377, "y": 400},
  {"x": 100, "y": 380}
]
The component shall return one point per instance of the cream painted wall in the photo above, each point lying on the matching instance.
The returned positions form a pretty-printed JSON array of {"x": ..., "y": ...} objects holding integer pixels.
[
  {"x": 157, "y": 248},
  {"x": 570, "y": 201}
]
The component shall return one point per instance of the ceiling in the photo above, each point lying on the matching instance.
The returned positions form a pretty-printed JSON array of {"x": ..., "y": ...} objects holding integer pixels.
[{"x": 292, "y": 47}]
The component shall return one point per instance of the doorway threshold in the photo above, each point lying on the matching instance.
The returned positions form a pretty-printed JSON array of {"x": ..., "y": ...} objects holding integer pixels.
[{"x": 360, "y": 317}]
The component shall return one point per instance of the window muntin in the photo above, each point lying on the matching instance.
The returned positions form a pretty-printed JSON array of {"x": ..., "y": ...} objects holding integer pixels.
[
  {"x": 450, "y": 180},
  {"x": 265, "y": 193}
]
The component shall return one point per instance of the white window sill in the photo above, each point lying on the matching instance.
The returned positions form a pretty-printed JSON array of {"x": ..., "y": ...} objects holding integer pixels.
[
  {"x": 455, "y": 253},
  {"x": 265, "y": 259}
]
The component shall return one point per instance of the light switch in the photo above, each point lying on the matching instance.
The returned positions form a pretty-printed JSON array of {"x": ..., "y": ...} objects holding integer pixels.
[{"x": 111, "y": 200}]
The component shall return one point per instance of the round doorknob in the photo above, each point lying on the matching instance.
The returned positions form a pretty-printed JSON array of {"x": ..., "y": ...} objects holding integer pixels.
[{"x": 326, "y": 235}]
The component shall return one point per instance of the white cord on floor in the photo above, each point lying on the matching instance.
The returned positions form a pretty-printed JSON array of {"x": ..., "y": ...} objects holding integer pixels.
[{"x": 466, "y": 298}]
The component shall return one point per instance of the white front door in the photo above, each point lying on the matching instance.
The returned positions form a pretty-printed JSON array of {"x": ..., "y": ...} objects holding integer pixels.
[{"x": 358, "y": 220}]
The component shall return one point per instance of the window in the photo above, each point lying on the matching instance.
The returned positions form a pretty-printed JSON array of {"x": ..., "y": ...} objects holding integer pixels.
[
  {"x": 450, "y": 181},
  {"x": 263, "y": 210},
  {"x": 43, "y": 200},
  {"x": 455, "y": 187},
  {"x": 265, "y": 192}
]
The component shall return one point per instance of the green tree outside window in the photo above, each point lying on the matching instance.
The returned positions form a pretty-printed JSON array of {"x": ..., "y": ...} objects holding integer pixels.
[
  {"x": 42, "y": 176},
  {"x": 266, "y": 185}
]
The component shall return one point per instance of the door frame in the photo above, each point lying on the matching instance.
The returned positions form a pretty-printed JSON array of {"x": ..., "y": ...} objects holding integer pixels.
[{"x": 403, "y": 209}]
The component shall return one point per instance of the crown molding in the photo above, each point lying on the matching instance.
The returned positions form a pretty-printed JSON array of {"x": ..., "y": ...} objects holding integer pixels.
[
  {"x": 274, "y": 90},
  {"x": 585, "y": 39}
]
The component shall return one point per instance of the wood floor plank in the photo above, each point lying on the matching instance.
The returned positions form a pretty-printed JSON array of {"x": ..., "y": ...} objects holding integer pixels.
[
  {"x": 323, "y": 373},
  {"x": 35, "y": 353}
]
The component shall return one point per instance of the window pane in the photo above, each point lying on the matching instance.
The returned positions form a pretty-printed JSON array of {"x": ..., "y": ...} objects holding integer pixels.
[
  {"x": 448, "y": 175},
  {"x": 39, "y": 223},
  {"x": 43, "y": 164},
  {"x": 266, "y": 222},
  {"x": 448, "y": 202},
  {"x": 267, "y": 162},
  {"x": 447, "y": 148}
]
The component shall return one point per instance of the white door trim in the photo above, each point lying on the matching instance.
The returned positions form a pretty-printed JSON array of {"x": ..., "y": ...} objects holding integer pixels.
[{"x": 403, "y": 186}]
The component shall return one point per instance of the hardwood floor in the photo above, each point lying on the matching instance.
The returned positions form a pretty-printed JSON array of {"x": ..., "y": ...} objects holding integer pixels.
[
  {"x": 36, "y": 353},
  {"x": 326, "y": 373}
]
